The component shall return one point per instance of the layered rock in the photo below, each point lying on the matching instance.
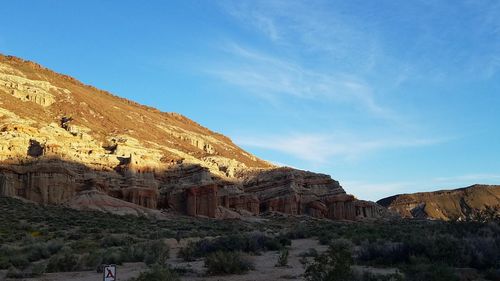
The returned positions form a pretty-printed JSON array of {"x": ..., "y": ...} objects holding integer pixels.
[
  {"x": 97, "y": 201},
  {"x": 456, "y": 204},
  {"x": 63, "y": 142}
]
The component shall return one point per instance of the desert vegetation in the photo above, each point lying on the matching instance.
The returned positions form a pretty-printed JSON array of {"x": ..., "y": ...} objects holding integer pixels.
[{"x": 38, "y": 239}]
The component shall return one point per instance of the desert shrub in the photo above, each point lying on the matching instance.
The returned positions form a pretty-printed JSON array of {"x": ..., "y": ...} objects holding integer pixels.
[
  {"x": 54, "y": 246},
  {"x": 85, "y": 245},
  {"x": 311, "y": 252},
  {"x": 157, "y": 252},
  {"x": 136, "y": 252},
  {"x": 484, "y": 252},
  {"x": 91, "y": 260},
  {"x": 116, "y": 240},
  {"x": 188, "y": 253},
  {"x": 333, "y": 265},
  {"x": 19, "y": 261},
  {"x": 35, "y": 270},
  {"x": 157, "y": 273},
  {"x": 249, "y": 243},
  {"x": 324, "y": 239},
  {"x": 429, "y": 272},
  {"x": 222, "y": 263},
  {"x": 383, "y": 253},
  {"x": 282, "y": 258},
  {"x": 301, "y": 231},
  {"x": 113, "y": 256},
  {"x": 492, "y": 274},
  {"x": 37, "y": 251},
  {"x": 368, "y": 276},
  {"x": 4, "y": 262},
  {"x": 445, "y": 248},
  {"x": 63, "y": 262},
  {"x": 283, "y": 240},
  {"x": 15, "y": 273},
  {"x": 38, "y": 269}
]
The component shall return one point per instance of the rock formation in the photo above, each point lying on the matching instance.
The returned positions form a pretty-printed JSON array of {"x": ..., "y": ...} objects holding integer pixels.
[
  {"x": 63, "y": 142},
  {"x": 456, "y": 204}
]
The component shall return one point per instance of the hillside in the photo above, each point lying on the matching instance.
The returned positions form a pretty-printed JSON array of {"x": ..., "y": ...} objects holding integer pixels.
[
  {"x": 463, "y": 203},
  {"x": 63, "y": 142}
]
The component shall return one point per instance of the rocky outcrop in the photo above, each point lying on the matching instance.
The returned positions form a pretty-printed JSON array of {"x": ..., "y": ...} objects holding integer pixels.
[
  {"x": 63, "y": 142},
  {"x": 97, "y": 201},
  {"x": 202, "y": 201},
  {"x": 27, "y": 89},
  {"x": 457, "y": 204},
  {"x": 349, "y": 208},
  {"x": 47, "y": 184}
]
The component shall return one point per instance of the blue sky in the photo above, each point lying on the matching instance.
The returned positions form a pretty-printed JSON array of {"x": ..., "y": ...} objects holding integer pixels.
[{"x": 386, "y": 96}]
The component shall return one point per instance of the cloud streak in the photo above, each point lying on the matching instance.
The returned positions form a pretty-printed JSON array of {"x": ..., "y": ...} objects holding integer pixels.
[
  {"x": 320, "y": 149},
  {"x": 271, "y": 77},
  {"x": 476, "y": 178},
  {"x": 311, "y": 26}
]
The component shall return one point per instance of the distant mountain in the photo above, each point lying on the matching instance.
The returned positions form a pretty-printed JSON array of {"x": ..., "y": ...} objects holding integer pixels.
[
  {"x": 63, "y": 142},
  {"x": 473, "y": 202}
]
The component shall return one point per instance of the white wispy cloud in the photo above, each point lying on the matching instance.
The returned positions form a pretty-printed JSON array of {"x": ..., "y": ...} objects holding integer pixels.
[
  {"x": 467, "y": 178},
  {"x": 309, "y": 25},
  {"x": 270, "y": 76},
  {"x": 320, "y": 149}
]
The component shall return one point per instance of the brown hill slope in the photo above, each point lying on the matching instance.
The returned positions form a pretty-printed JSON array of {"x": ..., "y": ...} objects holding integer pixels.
[
  {"x": 60, "y": 138},
  {"x": 462, "y": 203}
]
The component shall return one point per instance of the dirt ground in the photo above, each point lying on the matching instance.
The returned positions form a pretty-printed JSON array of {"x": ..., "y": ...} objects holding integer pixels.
[
  {"x": 123, "y": 272},
  {"x": 264, "y": 267}
]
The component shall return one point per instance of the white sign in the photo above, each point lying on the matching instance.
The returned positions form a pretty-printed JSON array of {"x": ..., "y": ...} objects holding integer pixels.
[{"x": 109, "y": 272}]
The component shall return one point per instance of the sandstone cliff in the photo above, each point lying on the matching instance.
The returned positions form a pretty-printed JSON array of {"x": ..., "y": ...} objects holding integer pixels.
[
  {"x": 63, "y": 142},
  {"x": 457, "y": 204}
]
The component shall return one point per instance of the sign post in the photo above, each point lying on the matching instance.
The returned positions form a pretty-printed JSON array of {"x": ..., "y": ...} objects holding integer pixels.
[{"x": 109, "y": 272}]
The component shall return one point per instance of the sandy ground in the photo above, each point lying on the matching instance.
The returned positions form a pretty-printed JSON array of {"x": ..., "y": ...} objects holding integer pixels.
[
  {"x": 123, "y": 272},
  {"x": 264, "y": 265},
  {"x": 265, "y": 268}
]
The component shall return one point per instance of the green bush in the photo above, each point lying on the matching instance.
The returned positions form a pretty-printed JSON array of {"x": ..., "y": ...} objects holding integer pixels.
[
  {"x": 37, "y": 251},
  {"x": 157, "y": 252},
  {"x": 282, "y": 258},
  {"x": 383, "y": 253},
  {"x": 429, "y": 272},
  {"x": 222, "y": 263},
  {"x": 492, "y": 274},
  {"x": 333, "y": 265},
  {"x": 19, "y": 261},
  {"x": 188, "y": 253},
  {"x": 4, "y": 262},
  {"x": 91, "y": 260},
  {"x": 249, "y": 243},
  {"x": 113, "y": 255},
  {"x": 367, "y": 276},
  {"x": 157, "y": 273},
  {"x": 34, "y": 270},
  {"x": 116, "y": 240},
  {"x": 54, "y": 246},
  {"x": 63, "y": 262}
]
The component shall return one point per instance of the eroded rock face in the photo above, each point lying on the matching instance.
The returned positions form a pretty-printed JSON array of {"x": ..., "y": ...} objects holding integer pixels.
[
  {"x": 456, "y": 204},
  {"x": 296, "y": 192},
  {"x": 99, "y": 201},
  {"x": 45, "y": 184},
  {"x": 202, "y": 201},
  {"x": 63, "y": 142}
]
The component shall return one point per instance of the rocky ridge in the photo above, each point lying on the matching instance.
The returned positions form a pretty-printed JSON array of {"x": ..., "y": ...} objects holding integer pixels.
[
  {"x": 63, "y": 142},
  {"x": 457, "y": 204}
]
